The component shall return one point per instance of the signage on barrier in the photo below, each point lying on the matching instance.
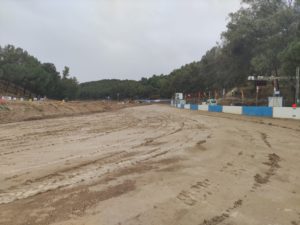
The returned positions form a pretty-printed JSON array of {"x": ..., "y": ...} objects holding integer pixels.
[{"x": 294, "y": 106}]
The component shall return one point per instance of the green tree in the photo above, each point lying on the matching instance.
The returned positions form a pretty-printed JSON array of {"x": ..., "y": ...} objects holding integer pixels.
[{"x": 66, "y": 72}]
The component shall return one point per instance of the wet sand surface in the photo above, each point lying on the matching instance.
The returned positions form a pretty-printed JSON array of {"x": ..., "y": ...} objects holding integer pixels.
[{"x": 150, "y": 165}]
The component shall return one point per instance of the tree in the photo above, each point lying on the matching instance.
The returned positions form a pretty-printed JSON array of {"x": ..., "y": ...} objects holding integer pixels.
[
  {"x": 19, "y": 68},
  {"x": 66, "y": 72},
  {"x": 291, "y": 58}
]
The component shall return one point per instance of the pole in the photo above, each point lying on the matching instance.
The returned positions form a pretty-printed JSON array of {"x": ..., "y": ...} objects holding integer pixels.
[
  {"x": 256, "y": 99},
  {"x": 297, "y": 86},
  {"x": 242, "y": 93}
]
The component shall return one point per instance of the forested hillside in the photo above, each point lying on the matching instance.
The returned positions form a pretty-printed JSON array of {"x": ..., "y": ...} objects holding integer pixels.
[
  {"x": 262, "y": 38},
  {"x": 18, "y": 68}
]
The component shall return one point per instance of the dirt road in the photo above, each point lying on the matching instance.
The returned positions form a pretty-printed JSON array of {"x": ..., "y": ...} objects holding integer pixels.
[{"x": 150, "y": 165}]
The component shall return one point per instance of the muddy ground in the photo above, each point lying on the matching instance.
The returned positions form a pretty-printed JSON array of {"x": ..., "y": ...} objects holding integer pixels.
[{"x": 150, "y": 165}]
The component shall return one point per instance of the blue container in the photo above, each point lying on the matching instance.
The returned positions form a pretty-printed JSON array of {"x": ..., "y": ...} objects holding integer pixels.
[
  {"x": 215, "y": 108},
  {"x": 258, "y": 111},
  {"x": 182, "y": 106},
  {"x": 194, "y": 107}
]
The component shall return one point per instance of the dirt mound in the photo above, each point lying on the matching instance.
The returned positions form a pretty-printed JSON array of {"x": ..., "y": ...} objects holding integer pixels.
[{"x": 16, "y": 111}]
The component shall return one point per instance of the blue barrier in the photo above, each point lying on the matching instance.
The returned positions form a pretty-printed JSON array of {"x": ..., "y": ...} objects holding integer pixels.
[
  {"x": 262, "y": 111},
  {"x": 194, "y": 107},
  {"x": 258, "y": 111},
  {"x": 215, "y": 108}
]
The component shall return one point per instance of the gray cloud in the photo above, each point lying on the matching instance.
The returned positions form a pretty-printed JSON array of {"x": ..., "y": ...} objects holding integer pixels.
[{"x": 124, "y": 39}]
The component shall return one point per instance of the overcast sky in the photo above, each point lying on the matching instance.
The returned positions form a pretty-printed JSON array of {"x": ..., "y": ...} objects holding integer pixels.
[{"x": 125, "y": 39}]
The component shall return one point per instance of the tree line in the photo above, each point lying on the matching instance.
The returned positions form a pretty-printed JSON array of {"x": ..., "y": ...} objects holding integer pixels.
[
  {"x": 19, "y": 68},
  {"x": 262, "y": 38}
]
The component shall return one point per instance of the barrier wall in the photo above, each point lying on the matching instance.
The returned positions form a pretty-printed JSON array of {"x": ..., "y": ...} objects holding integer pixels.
[
  {"x": 258, "y": 111},
  {"x": 215, "y": 108},
  {"x": 187, "y": 106},
  {"x": 203, "y": 107},
  {"x": 194, "y": 107},
  {"x": 276, "y": 112},
  {"x": 233, "y": 109},
  {"x": 286, "y": 112}
]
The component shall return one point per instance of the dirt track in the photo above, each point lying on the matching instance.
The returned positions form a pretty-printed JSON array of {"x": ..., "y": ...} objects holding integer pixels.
[{"x": 150, "y": 165}]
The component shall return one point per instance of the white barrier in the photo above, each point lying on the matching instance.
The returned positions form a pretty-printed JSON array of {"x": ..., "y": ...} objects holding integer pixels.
[
  {"x": 286, "y": 112},
  {"x": 7, "y": 98},
  {"x": 275, "y": 112},
  {"x": 203, "y": 107},
  {"x": 187, "y": 106},
  {"x": 233, "y": 109}
]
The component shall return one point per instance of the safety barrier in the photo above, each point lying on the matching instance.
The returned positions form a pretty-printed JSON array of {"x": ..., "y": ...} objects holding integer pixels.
[
  {"x": 194, "y": 107},
  {"x": 233, "y": 109},
  {"x": 285, "y": 112},
  {"x": 10, "y": 98},
  {"x": 203, "y": 107},
  {"x": 215, "y": 108},
  {"x": 258, "y": 111},
  {"x": 187, "y": 106},
  {"x": 261, "y": 111}
]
